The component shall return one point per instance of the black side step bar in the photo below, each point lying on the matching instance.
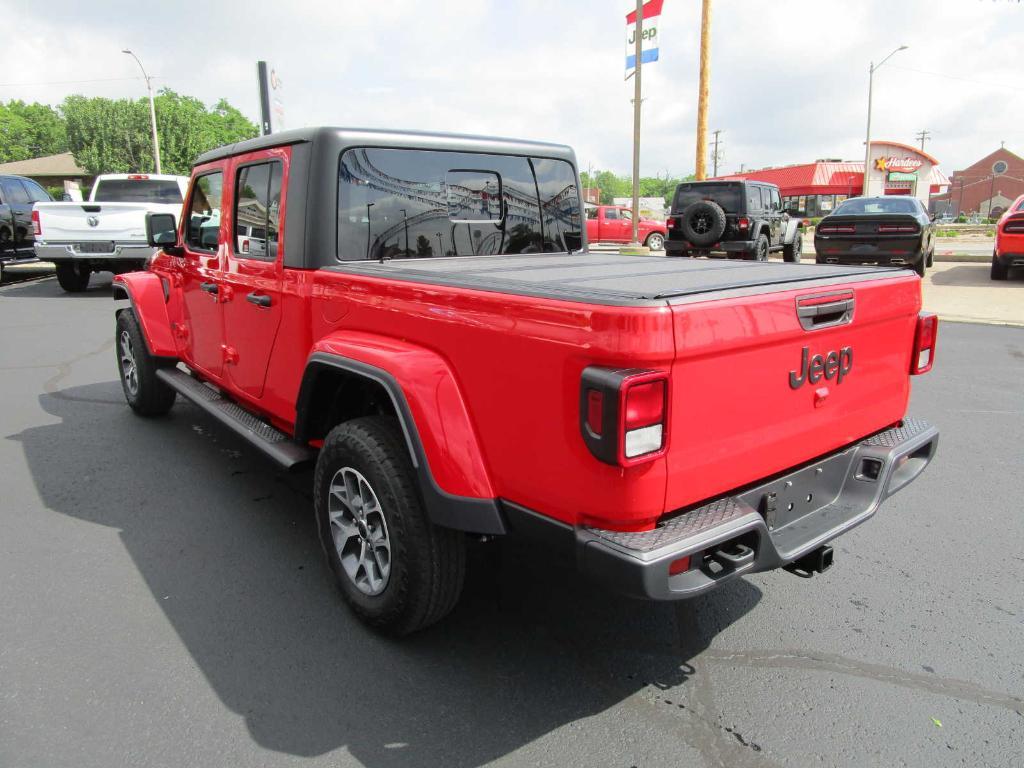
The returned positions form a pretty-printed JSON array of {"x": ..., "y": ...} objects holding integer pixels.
[{"x": 271, "y": 441}]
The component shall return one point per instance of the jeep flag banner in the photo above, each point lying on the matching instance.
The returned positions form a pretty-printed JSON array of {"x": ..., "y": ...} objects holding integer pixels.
[{"x": 648, "y": 35}]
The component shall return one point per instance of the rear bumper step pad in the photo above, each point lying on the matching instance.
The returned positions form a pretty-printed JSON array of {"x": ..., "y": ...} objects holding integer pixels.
[
  {"x": 258, "y": 433},
  {"x": 764, "y": 527}
]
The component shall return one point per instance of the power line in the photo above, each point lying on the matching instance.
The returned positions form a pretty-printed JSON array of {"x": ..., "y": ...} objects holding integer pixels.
[
  {"x": 923, "y": 136},
  {"x": 72, "y": 82},
  {"x": 956, "y": 77},
  {"x": 716, "y": 154}
]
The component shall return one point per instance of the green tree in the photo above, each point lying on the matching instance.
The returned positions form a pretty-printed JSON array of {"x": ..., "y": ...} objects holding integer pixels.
[
  {"x": 613, "y": 185},
  {"x": 114, "y": 136},
  {"x": 30, "y": 130}
]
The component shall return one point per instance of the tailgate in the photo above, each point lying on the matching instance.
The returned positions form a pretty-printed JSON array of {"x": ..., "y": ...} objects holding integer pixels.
[
  {"x": 78, "y": 222},
  {"x": 743, "y": 404}
]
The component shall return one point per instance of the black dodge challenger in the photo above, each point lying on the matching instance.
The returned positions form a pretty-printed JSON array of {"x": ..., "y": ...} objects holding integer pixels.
[{"x": 892, "y": 230}]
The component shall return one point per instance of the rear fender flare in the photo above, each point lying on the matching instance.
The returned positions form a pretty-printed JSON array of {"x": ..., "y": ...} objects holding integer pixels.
[
  {"x": 146, "y": 292},
  {"x": 453, "y": 479},
  {"x": 792, "y": 227}
]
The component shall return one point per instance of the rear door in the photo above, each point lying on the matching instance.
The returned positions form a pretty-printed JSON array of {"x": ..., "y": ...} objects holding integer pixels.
[
  {"x": 251, "y": 288},
  {"x": 204, "y": 244},
  {"x": 17, "y": 197}
]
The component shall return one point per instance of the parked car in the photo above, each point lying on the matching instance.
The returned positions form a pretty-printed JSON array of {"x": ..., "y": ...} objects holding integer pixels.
[
  {"x": 737, "y": 219},
  {"x": 1009, "y": 248},
  {"x": 17, "y": 196},
  {"x": 421, "y": 322},
  {"x": 896, "y": 230},
  {"x": 108, "y": 232},
  {"x": 614, "y": 224}
]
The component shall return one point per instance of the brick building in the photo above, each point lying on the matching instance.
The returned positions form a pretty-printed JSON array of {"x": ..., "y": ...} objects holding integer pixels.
[{"x": 993, "y": 183}]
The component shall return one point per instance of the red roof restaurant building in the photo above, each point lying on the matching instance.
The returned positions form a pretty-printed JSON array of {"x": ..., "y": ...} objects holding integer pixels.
[{"x": 814, "y": 189}]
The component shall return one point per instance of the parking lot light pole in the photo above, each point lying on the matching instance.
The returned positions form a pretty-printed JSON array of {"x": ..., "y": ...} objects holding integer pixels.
[
  {"x": 867, "y": 140},
  {"x": 152, "y": 110}
]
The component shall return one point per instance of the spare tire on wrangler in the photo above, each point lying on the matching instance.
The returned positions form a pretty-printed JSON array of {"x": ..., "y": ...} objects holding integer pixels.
[{"x": 703, "y": 222}]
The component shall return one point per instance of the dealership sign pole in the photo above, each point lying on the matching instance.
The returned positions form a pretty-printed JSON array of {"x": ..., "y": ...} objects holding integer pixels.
[
  {"x": 271, "y": 103},
  {"x": 644, "y": 40}
]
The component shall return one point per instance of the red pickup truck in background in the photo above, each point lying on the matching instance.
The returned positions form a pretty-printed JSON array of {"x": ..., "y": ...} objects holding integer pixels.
[
  {"x": 419, "y": 317},
  {"x": 614, "y": 224}
]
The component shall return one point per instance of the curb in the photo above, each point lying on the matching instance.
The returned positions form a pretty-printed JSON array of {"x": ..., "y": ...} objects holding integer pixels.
[{"x": 976, "y": 258}]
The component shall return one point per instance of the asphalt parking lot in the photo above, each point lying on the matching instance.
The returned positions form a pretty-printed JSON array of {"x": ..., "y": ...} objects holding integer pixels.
[{"x": 164, "y": 603}]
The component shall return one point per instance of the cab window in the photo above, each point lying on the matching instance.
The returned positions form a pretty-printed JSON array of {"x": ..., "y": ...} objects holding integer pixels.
[
  {"x": 753, "y": 198},
  {"x": 611, "y": 214},
  {"x": 257, "y": 210},
  {"x": 204, "y": 212}
]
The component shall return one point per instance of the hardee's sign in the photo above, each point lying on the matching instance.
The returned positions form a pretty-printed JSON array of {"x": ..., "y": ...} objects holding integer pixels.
[{"x": 898, "y": 164}]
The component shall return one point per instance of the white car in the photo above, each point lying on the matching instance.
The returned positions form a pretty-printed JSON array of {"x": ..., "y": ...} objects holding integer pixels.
[{"x": 108, "y": 231}]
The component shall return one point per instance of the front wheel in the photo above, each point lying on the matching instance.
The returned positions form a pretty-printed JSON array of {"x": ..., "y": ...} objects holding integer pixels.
[
  {"x": 655, "y": 241},
  {"x": 396, "y": 570},
  {"x": 73, "y": 276},
  {"x": 146, "y": 394},
  {"x": 794, "y": 250}
]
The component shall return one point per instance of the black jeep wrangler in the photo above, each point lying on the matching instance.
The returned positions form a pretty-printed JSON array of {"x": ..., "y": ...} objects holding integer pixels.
[{"x": 737, "y": 219}]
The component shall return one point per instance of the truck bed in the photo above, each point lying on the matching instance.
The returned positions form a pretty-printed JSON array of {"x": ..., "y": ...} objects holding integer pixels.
[{"x": 612, "y": 279}]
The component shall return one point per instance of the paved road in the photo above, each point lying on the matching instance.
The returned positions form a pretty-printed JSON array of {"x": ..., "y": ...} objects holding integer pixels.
[{"x": 163, "y": 603}]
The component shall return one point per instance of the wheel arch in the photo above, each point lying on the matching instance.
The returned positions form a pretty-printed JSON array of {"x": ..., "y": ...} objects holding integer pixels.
[
  {"x": 148, "y": 296},
  {"x": 793, "y": 226},
  {"x": 345, "y": 378}
]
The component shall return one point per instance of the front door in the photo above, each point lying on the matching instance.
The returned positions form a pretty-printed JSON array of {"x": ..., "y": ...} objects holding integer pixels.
[
  {"x": 16, "y": 196},
  {"x": 204, "y": 246},
  {"x": 252, "y": 280},
  {"x": 778, "y": 217}
]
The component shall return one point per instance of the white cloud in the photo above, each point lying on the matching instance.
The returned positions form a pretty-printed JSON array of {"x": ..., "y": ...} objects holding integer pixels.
[{"x": 789, "y": 77}]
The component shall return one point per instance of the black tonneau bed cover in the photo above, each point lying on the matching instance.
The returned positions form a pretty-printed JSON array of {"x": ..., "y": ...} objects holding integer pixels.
[{"x": 608, "y": 278}]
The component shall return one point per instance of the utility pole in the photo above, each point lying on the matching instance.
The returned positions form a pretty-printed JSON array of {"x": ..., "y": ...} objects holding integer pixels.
[
  {"x": 923, "y": 136},
  {"x": 960, "y": 205},
  {"x": 991, "y": 194},
  {"x": 636, "y": 121},
  {"x": 715, "y": 155},
  {"x": 152, "y": 110},
  {"x": 702, "y": 90}
]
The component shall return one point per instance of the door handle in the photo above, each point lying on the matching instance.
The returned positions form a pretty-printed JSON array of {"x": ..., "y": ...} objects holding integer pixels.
[
  {"x": 209, "y": 288},
  {"x": 259, "y": 300}
]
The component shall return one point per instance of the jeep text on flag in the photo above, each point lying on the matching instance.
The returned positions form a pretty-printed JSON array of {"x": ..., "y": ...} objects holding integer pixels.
[{"x": 648, "y": 34}]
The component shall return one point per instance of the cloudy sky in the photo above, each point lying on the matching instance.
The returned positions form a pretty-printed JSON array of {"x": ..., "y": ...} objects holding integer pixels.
[{"x": 788, "y": 80}]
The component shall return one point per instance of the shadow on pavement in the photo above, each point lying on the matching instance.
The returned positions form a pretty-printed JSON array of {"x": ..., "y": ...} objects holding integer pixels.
[
  {"x": 974, "y": 276},
  {"x": 228, "y": 549},
  {"x": 99, "y": 288}
]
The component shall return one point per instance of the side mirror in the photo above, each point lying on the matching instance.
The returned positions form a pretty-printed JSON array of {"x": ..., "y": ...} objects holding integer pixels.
[{"x": 162, "y": 231}]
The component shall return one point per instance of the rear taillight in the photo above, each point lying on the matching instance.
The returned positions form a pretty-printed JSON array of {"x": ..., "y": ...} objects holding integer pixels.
[
  {"x": 137, "y": 177},
  {"x": 1013, "y": 226},
  {"x": 37, "y": 228},
  {"x": 923, "y": 355},
  {"x": 892, "y": 228},
  {"x": 670, "y": 223},
  {"x": 624, "y": 414},
  {"x": 837, "y": 229},
  {"x": 743, "y": 223}
]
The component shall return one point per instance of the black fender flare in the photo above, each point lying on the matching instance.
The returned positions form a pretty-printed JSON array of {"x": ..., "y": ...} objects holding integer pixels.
[{"x": 460, "y": 513}]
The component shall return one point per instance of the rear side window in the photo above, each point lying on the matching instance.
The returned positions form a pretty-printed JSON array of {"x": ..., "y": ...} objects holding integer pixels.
[
  {"x": 36, "y": 193},
  {"x": 137, "y": 191},
  {"x": 257, "y": 210},
  {"x": 204, "y": 212},
  {"x": 753, "y": 198},
  {"x": 14, "y": 192},
  {"x": 407, "y": 203}
]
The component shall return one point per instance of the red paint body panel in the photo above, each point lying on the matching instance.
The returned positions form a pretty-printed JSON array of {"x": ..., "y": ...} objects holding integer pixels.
[
  {"x": 1010, "y": 242},
  {"x": 604, "y": 230},
  {"x": 147, "y": 295}
]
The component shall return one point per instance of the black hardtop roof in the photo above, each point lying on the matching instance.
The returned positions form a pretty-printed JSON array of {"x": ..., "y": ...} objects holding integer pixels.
[
  {"x": 343, "y": 138},
  {"x": 729, "y": 181}
]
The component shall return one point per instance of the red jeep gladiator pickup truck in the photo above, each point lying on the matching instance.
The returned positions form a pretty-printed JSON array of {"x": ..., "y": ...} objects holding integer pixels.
[
  {"x": 419, "y": 316},
  {"x": 614, "y": 224}
]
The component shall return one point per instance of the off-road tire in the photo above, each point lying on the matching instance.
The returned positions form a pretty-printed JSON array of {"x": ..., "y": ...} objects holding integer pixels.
[
  {"x": 655, "y": 241},
  {"x": 703, "y": 223},
  {"x": 72, "y": 276},
  {"x": 151, "y": 396},
  {"x": 427, "y": 563},
  {"x": 999, "y": 271},
  {"x": 931, "y": 258},
  {"x": 919, "y": 267},
  {"x": 794, "y": 250},
  {"x": 760, "y": 252}
]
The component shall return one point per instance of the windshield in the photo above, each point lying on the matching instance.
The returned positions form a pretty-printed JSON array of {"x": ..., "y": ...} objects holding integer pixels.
[
  {"x": 726, "y": 195},
  {"x": 876, "y": 205},
  {"x": 137, "y": 191}
]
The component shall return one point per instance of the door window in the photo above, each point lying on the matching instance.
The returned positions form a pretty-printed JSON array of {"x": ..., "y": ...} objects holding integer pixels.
[
  {"x": 258, "y": 210},
  {"x": 591, "y": 212},
  {"x": 14, "y": 193},
  {"x": 611, "y": 214},
  {"x": 204, "y": 212},
  {"x": 776, "y": 204},
  {"x": 753, "y": 198}
]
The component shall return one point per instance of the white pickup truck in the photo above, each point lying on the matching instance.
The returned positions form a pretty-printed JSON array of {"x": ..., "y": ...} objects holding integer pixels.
[{"x": 108, "y": 232}]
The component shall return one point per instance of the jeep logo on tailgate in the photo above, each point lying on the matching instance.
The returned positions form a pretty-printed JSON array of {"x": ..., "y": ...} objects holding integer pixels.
[{"x": 832, "y": 365}]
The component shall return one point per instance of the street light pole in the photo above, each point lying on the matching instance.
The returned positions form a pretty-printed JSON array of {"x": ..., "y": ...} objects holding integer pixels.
[
  {"x": 867, "y": 140},
  {"x": 152, "y": 110}
]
